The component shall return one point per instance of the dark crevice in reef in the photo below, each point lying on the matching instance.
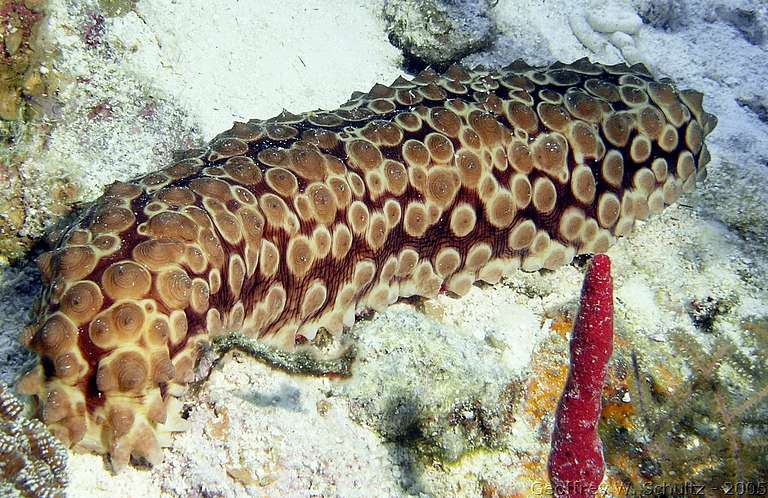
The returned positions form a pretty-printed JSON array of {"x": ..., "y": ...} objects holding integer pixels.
[
  {"x": 401, "y": 427},
  {"x": 757, "y": 104}
]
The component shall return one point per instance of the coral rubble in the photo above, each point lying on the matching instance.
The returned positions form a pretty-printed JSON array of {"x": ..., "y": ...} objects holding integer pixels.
[{"x": 438, "y": 32}]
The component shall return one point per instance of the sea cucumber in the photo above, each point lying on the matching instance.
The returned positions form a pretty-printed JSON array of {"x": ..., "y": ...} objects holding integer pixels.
[{"x": 284, "y": 227}]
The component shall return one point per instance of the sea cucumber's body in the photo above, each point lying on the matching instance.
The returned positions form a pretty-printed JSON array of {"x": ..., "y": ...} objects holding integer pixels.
[{"x": 281, "y": 227}]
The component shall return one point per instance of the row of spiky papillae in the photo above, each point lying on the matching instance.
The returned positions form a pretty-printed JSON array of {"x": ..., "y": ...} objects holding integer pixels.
[{"x": 284, "y": 227}]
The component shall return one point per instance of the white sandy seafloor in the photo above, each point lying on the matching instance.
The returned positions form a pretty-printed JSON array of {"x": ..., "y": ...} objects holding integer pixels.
[{"x": 177, "y": 73}]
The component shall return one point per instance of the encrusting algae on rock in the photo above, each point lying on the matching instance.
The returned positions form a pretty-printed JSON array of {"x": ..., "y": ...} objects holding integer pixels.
[
  {"x": 284, "y": 227},
  {"x": 25, "y": 78}
]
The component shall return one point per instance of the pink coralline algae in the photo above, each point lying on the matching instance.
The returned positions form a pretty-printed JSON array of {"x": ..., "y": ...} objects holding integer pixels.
[{"x": 576, "y": 463}]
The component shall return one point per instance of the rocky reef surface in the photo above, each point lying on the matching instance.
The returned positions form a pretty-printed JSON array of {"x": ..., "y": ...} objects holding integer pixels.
[{"x": 446, "y": 397}]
